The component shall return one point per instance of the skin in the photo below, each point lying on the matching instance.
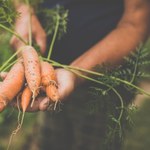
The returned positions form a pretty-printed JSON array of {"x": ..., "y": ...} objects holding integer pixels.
[
  {"x": 21, "y": 27},
  {"x": 131, "y": 30}
]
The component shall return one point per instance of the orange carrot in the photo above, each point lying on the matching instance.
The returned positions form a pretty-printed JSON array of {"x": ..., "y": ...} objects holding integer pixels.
[
  {"x": 49, "y": 80},
  {"x": 52, "y": 92},
  {"x": 47, "y": 74},
  {"x": 32, "y": 69},
  {"x": 11, "y": 85},
  {"x": 25, "y": 98}
]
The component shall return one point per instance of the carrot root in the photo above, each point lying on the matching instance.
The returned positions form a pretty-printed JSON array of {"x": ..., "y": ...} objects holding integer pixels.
[{"x": 18, "y": 127}]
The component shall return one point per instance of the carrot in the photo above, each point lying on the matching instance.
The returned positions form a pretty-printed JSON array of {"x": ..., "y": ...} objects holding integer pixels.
[
  {"x": 32, "y": 69},
  {"x": 25, "y": 101},
  {"x": 47, "y": 74},
  {"x": 49, "y": 80},
  {"x": 11, "y": 85},
  {"x": 25, "y": 98},
  {"x": 52, "y": 92}
]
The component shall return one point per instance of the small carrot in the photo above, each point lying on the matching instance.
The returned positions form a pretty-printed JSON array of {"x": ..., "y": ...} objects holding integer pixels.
[
  {"x": 32, "y": 69},
  {"x": 47, "y": 74},
  {"x": 25, "y": 101},
  {"x": 49, "y": 80},
  {"x": 26, "y": 98},
  {"x": 11, "y": 85},
  {"x": 52, "y": 92}
]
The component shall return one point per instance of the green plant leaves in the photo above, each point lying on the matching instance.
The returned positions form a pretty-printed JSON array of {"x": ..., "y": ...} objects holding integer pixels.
[{"x": 7, "y": 13}]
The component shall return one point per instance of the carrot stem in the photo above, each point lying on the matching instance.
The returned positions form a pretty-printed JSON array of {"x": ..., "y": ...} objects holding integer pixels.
[
  {"x": 54, "y": 37},
  {"x": 11, "y": 64},
  {"x": 54, "y": 63},
  {"x": 12, "y": 57},
  {"x": 14, "y": 33},
  {"x": 29, "y": 23},
  {"x": 18, "y": 127}
]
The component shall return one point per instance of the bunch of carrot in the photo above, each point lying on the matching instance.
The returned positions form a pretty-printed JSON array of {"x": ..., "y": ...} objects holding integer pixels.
[{"x": 27, "y": 76}]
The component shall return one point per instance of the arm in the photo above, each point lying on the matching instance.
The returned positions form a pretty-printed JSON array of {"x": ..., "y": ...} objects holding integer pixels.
[
  {"x": 131, "y": 30},
  {"x": 129, "y": 33}
]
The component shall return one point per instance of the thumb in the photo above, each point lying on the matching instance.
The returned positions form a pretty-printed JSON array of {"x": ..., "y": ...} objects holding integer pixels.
[{"x": 65, "y": 88}]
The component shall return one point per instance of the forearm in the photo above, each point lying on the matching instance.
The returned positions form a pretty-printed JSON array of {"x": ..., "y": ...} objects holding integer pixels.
[
  {"x": 119, "y": 43},
  {"x": 129, "y": 33}
]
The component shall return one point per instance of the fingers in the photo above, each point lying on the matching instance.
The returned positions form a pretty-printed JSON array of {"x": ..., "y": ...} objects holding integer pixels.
[
  {"x": 40, "y": 104},
  {"x": 38, "y": 34},
  {"x": 44, "y": 104}
]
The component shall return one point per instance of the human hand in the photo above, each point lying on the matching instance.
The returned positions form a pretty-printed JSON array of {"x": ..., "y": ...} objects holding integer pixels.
[
  {"x": 22, "y": 28},
  {"x": 67, "y": 81}
]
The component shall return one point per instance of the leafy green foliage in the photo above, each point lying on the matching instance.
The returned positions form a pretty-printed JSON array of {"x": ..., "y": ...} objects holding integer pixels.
[
  {"x": 130, "y": 70},
  {"x": 7, "y": 13},
  {"x": 138, "y": 137},
  {"x": 118, "y": 111},
  {"x": 50, "y": 18},
  {"x": 138, "y": 60},
  {"x": 5, "y": 49}
]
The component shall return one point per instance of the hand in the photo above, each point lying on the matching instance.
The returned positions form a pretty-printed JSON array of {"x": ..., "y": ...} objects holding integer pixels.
[
  {"x": 67, "y": 81},
  {"x": 22, "y": 28}
]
